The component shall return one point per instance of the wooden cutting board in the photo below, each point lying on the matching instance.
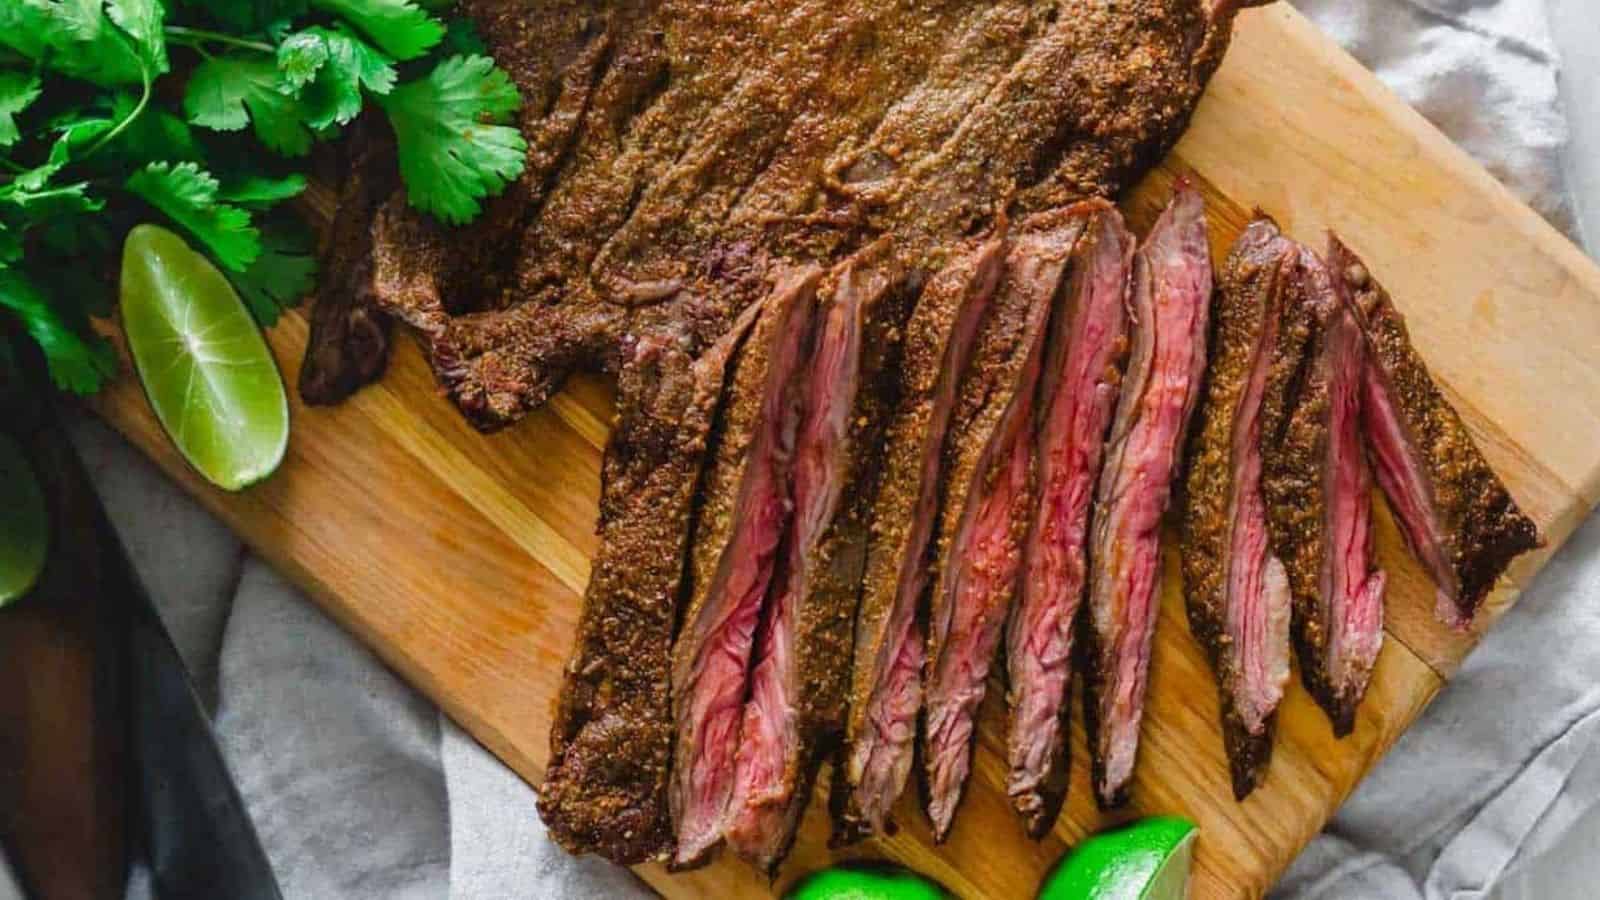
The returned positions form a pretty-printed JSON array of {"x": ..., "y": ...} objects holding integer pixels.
[{"x": 462, "y": 558}]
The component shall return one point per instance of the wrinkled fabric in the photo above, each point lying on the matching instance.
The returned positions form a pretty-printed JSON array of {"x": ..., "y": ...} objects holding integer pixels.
[{"x": 360, "y": 789}]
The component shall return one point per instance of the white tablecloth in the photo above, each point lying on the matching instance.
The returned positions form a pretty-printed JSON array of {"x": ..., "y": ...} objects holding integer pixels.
[{"x": 360, "y": 789}]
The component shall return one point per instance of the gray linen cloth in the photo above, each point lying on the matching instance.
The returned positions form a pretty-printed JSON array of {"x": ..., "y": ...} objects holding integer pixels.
[{"x": 361, "y": 789}]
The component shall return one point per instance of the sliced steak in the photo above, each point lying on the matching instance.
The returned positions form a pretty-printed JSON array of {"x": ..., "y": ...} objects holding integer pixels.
[
  {"x": 795, "y": 713},
  {"x": 886, "y": 676},
  {"x": 1171, "y": 301},
  {"x": 1454, "y": 511},
  {"x": 349, "y": 341},
  {"x": 680, "y": 152},
  {"x": 1235, "y": 589},
  {"x": 987, "y": 500},
  {"x": 605, "y": 788},
  {"x": 740, "y": 526},
  {"x": 1078, "y": 393},
  {"x": 1319, "y": 490}
]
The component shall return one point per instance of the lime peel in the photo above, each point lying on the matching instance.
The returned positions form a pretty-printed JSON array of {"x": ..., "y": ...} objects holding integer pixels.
[
  {"x": 1147, "y": 860},
  {"x": 24, "y": 523}
]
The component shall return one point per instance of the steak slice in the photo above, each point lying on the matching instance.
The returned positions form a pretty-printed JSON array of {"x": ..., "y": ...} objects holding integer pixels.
[
  {"x": 349, "y": 341},
  {"x": 1078, "y": 393},
  {"x": 987, "y": 498},
  {"x": 886, "y": 675},
  {"x": 1319, "y": 490},
  {"x": 1170, "y": 309},
  {"x": 1455, "y": 513},
  {"x": 605, "y": 789},
  {"x": 1235, "y": 590},
  {"x": 741, "y": 523},
  {"x": 797, "y": 695}
]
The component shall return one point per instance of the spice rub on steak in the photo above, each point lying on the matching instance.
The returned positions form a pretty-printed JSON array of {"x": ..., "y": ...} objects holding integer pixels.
[
  {"x": 1454, "y": 511},
  {"x": 988, "y": 496},
  {"x": 1318, "y": 489},
  {"x": 1077, "y": 396},
  {"x": 741, "y": 523},
  {"x": 886, "y": 673},
  {"x": 795, "y": 712},
  {"x": 605, "y": 788},
  {"x": 1235, "y": 589},
  {"x": 662, "y": 133},
  {"x": 1171, "y": 302},
  {"x": 684, "y": 155}
]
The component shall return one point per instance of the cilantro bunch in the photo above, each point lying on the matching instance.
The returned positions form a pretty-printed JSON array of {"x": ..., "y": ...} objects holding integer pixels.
[{"x": 199, "y": 113}]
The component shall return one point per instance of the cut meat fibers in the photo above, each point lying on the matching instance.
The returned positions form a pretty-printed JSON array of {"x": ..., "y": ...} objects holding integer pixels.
[
  {"x": 1319, "y": 490},
  {"x": 746, "y": 509},
  {"x": 1236, "y": 591},
  {"x": 1171, "y": 300},
  {"x": 886, "y": 678},
  {"x": 1078, "y": 393},
  {"x": 605, "y": 788},
  {"x": 989, "y": 454},
  {"x": 796, "y": 705},
  {"x": 1454, "y": 511}
]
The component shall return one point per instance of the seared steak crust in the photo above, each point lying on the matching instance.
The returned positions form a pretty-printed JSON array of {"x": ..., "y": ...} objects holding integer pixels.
[
  {"x": 987, "y": 499},
  {"x": 1171, "y": 301},
  {"x": 1077, "y": 396},
  {"x": 1318, "y": 490},
  {"x": 605, "y": 789},
  {"x": 1454, "y": 511},
  {"x": 886, "y": 674},
  {"x": 796, "y": 712},
  {"x": 1234, "y": 589},
  {"x": 682, "y": 153},
  {"x": 732, "y": 561}
]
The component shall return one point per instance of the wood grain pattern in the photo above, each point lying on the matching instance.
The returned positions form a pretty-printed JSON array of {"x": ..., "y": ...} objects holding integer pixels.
[{"x": 461, "y": 558}]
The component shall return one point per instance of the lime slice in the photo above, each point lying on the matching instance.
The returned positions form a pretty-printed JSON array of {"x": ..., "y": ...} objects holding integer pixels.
[
  {"x": 204, "y": 364},
  {"x": 24, "y": 526},
  {"x": 1148, "y": 860},
  {"x": 866, "y": 882}
]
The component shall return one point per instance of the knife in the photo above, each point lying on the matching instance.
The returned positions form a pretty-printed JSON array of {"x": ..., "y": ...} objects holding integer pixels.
[{"x": 196, "y": 832}]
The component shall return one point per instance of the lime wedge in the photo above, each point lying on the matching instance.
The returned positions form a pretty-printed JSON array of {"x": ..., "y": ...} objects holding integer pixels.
[
  {"x": 204, "y": 364},
  {"x": 866, "y": 882},
  {"x": 1148, "y": 860},
  {"x": 24, "y": 526}
]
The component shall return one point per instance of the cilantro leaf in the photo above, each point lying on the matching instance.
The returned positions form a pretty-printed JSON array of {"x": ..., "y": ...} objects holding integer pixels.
[
  {"x": 399, "y": 27},
  {"x": 31, "y": 192},
  {"x": 141, "y": 20},
  {"x": 261, "y": 191},
  {"x": 225, "y": 93},
  {"x": 452, "y": 152},
  {"x": 330, "y": 67},
  {"x": 17, "y": 93},
  {"x": 300, "y": 56},
  {"x": 187, "y": 195},
  {"x": 73, "y": 37},
  {"x": 284, "y": 272},
  {"x": 77, "y": 363}
]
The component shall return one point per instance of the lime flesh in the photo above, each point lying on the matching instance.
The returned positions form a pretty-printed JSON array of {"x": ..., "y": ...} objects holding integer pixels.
[
  {"x": 205, "y": 367},
  {"x": 24, "y": 526},
  {"x": 1148, "y": 860},
  {"x": 866, "y": 882}
]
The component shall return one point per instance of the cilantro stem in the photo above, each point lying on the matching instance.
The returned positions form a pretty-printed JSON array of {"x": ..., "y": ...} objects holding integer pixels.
[
  {"x": 138, "y": 110},
  {"x": 194, "y": 37}
]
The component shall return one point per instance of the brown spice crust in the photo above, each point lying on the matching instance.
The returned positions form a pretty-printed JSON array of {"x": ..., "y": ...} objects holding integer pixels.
[
  {"x": 1250, "y": 287},
  {"x": 1482, "y": 526},
  {"x": 605, "y": 789}
]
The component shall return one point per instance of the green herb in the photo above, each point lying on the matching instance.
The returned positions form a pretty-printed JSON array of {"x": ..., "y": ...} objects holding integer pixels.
[{"x": 199, "y": 114}]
